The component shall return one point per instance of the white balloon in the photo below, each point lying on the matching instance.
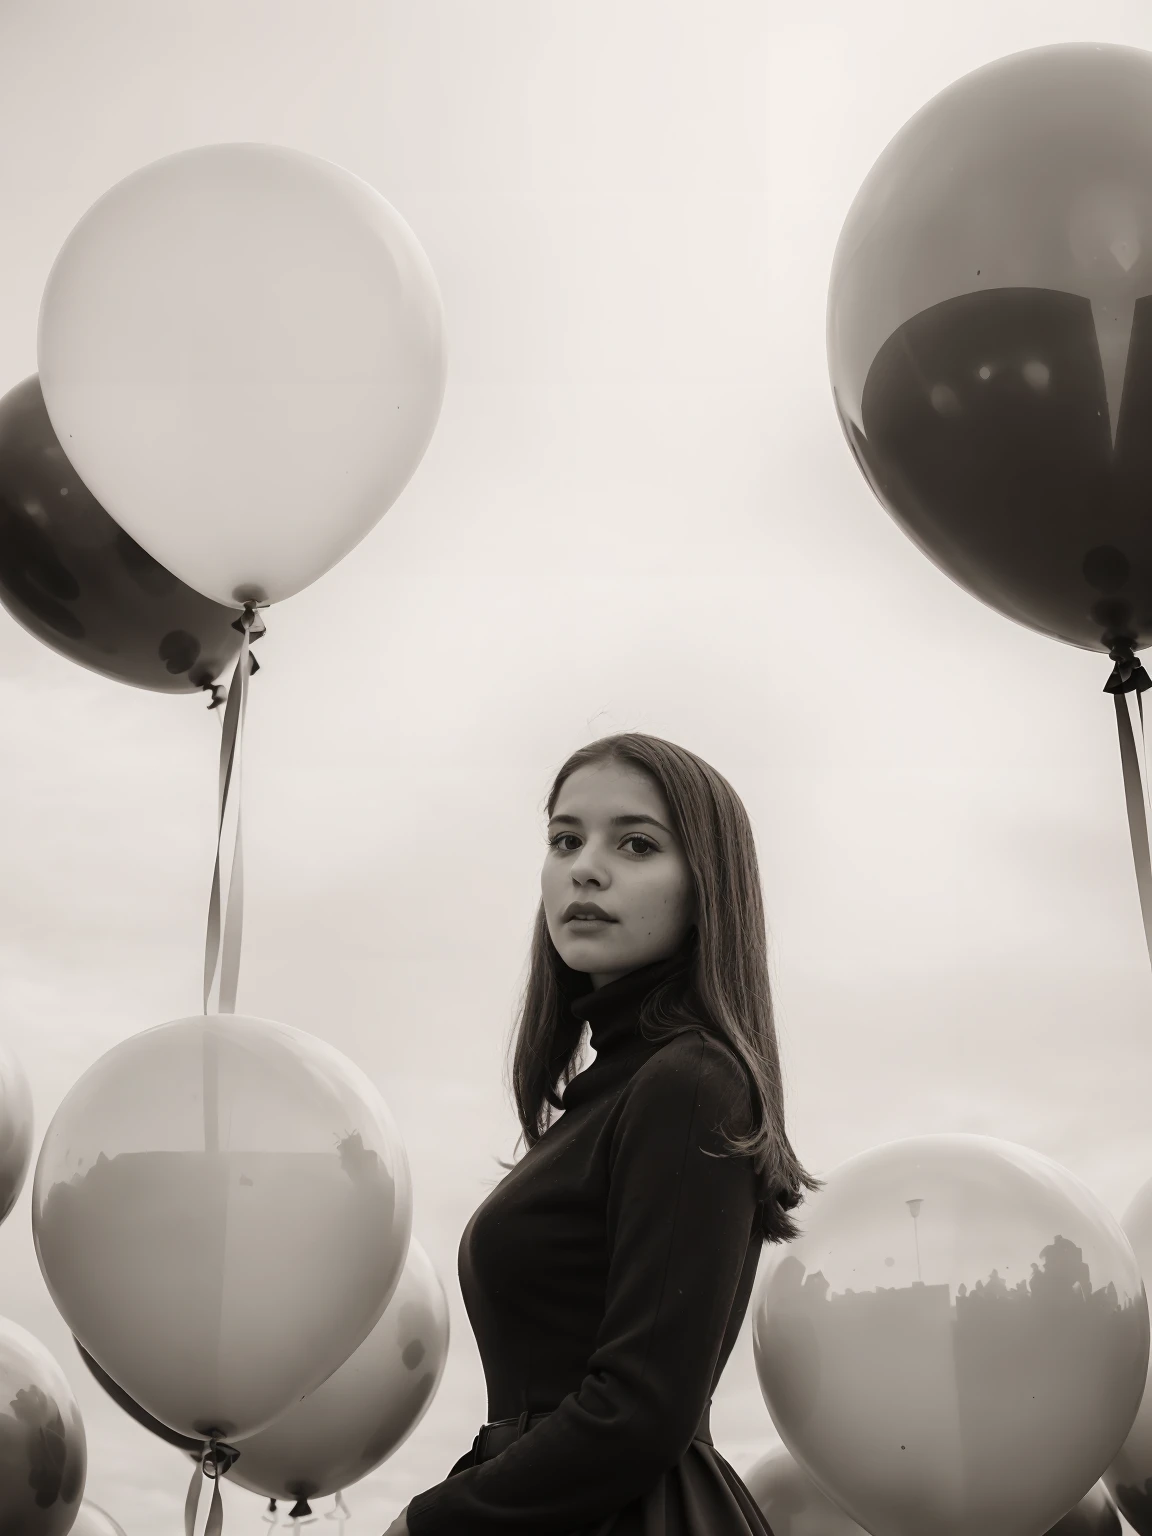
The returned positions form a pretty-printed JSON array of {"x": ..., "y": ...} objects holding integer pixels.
[
  {"x": 1127, "y": 1479},
  {"x": 221, "y": 1208},
  {"x": 94, "y": 1521},
  {"x": 241, "y": 349},
  {"x": 957, "y": 1342},
  {"x": 16, "y": 1124}
]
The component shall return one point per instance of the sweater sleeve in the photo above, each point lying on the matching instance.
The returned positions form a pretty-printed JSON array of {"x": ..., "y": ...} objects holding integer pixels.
[{"x": 679, "y": 1219}]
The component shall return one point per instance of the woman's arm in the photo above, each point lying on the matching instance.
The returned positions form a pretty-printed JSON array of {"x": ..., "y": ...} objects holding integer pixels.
[{"x": 679, "y": 1219}]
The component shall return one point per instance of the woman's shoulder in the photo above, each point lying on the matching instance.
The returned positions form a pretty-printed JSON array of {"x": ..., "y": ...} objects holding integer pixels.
[
  {"x": 694, "y": 1078},
  {"x": 699, "y": 1053}
]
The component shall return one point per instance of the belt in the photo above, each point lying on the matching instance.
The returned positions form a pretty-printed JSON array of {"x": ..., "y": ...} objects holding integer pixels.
[{"x": 498, "y": 1434}]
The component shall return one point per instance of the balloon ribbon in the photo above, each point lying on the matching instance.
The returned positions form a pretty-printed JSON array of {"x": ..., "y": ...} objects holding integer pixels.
[
  {"x": 220, "y": 1457},
  {"x": 251, "y": 627},
  {"x": 226, "y": 955},
  {"x": 339, "y": 1510},
  {"x": 1129, "y": 676}
]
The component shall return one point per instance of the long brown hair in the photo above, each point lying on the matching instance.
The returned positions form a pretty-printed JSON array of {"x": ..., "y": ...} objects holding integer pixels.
[{"x": 722, "y": 983}]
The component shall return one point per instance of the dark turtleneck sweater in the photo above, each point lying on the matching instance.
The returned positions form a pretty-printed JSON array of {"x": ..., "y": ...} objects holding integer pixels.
[{"x": 606, "y": 1278}]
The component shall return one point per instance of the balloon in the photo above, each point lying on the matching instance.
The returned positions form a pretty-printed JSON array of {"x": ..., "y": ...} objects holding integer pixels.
[
  {"x": 990, "y": 337},
  {"x": 16, "y": 1125},
  {"x": 221, "y": 1210},
  {"x": 366, "y": 1409},
  {"x": 43, "y": 1451},
  {"x": 958, "y": 1342},
  {"x": 195, "y": 1446},
  {"x": 242, "y": 349},
  {"x": 791, "y": 1502},
  {"x": 794, "y": 1506},
  {"x": 1129, "y": 1478},
  {"x": 94, "y": 1521},
  {"x": 76, "y": 581}
]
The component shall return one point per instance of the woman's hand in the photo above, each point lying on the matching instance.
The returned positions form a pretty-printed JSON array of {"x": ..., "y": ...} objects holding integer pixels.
[{"x": 399, "y": 1526}]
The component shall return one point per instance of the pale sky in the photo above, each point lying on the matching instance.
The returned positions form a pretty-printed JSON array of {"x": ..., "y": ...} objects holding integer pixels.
[{"x": 637, "y": 513}]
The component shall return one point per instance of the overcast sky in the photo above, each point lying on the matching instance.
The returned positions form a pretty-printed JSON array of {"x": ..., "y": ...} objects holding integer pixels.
[{"x": 637, "y": 513}]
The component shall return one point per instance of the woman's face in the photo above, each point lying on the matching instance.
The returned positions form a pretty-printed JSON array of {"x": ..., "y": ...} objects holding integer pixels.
[{"x": 612, "y": 845}]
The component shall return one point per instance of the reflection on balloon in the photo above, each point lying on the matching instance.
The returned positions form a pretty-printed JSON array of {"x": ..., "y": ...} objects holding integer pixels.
[
  {"x": 242, "y": 346},
  {"x": 167, "y": 1184},
  {"x": 1129, "y": 1478},
  {"x": 73, "y": 578},
  {"x": 16, "y": 1126},
  {"x": 43, "y": 1450},
  {"x": 990, "y": 337},
  {"x": 366, "y": 1409},
  {"x": 983, "y": 1380}
]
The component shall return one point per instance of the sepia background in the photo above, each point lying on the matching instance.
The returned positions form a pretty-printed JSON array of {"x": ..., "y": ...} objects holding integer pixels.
[{"x": 637, "y": 513}]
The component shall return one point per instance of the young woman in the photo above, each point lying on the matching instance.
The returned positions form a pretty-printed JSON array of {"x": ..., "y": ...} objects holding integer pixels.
[{"x": 607, "y": 1275}]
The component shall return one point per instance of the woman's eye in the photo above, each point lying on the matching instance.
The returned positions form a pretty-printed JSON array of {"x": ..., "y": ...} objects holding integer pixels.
[{"x": 633, "y": 837}]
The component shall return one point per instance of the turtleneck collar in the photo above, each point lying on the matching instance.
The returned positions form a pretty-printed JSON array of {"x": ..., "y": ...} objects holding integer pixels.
[{"x": 613, "y": 1010}]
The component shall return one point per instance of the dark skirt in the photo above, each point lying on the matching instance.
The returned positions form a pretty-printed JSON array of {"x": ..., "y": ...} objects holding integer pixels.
[{"x": 701, "y": 1495}]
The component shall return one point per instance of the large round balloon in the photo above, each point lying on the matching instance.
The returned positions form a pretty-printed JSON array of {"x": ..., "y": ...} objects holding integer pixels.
[
  {"x": 958, "y": 1342},
  {"x": 366, "y": 1409},
  {"x": 221, "y": 1209},
  {"x": 1129, "y": 1478},
  {"x": 74, "y": 579},
  {"x": 242, "y": 350},
  {"x": 43, "y": 1450},
  {"x": 794, "y": 1506},
  {"x": 94, "y": 1521},
  {"x": 16, "y": 1125},
  {"x": 990, "y": 337}
]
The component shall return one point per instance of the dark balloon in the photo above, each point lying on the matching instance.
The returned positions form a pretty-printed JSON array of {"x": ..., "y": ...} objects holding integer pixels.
[
  {"x": 1134, "y": 1501},
  {"x": 990, "y": 338},
  {"x": 74, "y": 579}
]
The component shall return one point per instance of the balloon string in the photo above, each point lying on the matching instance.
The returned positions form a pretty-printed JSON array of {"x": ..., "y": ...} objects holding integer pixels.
[
  {"x": 1129, "y": 676},
  {"x": 221, "y": 1457},
  {"x": 251, "y": 627},
  {"x": 215, "y": 1522},
  {"x": 226, "y": 954},
  {"x": 192, "y": 1502}
]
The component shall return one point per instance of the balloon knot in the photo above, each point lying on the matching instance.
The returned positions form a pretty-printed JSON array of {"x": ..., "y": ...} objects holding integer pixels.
[
  {"x": 250, "y": 620},
  {"x": 301, "y": 1507},
  {"x": 1128, "y": 674},
  {"x": 218, "y": 694},
  {"x": 219, "y": 1458}
]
